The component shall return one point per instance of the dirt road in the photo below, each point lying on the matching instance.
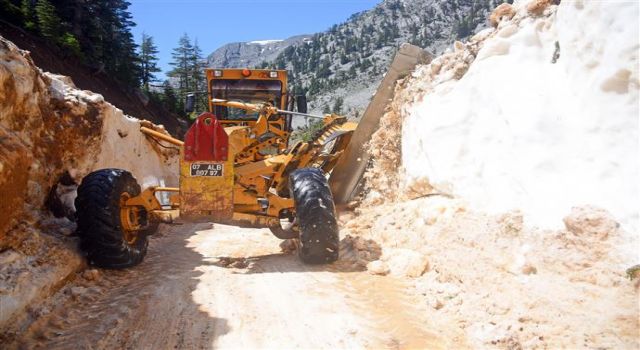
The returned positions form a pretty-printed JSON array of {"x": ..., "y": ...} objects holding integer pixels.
[{"x": 204, "y": 286}]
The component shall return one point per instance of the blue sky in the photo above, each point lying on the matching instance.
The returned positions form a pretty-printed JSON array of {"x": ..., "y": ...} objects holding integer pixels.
[{"x": 217, "y": 22}]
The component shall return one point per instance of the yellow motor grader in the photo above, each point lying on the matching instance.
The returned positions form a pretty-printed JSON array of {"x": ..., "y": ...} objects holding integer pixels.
[{"x": 236, "y": 167}]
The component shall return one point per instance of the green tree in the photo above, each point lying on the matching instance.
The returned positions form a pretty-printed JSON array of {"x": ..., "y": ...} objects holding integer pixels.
[
  {"x": 188, "y": 72},
  {"x": 196, "y": 68},
  {"x": 337, "y": 106},
  {"x": 126, "y": 63},
  {"x": 110, "y": 41},
  {"x": 29, "y": 15},
  {"x": 170, "y": 99},
  {"x": 463, "y": 28},
  {"x": 69, "y": 42},
  {"x": 307, "y": 132},
  {"x": 182, "y": 56},
  {"x": 148, "y": 61},
  {"x": 53, "y": 27},
  {"x": 98, "y": 32},
  {"x": 49, "y": 22}
]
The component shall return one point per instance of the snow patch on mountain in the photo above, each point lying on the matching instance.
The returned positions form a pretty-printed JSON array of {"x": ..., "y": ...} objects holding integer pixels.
[
  {"x": 265, "y": 42},
  {"x": 250, "y": 54}
]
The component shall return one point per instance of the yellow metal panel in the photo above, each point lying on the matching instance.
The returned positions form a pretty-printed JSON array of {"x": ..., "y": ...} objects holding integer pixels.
[
  {"x": 263, "y": 167},
  {"x": 238, "y": 138},
  {"x": 203, "y": 196}
]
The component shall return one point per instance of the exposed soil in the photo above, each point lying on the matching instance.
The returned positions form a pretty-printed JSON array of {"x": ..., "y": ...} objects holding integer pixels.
[
  {"x": 226, "y": 287},
  {"x": 51, "y": 135}
]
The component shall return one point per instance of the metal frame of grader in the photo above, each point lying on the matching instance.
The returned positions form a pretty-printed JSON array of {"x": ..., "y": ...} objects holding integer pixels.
[{"x": 236, "y": 171}]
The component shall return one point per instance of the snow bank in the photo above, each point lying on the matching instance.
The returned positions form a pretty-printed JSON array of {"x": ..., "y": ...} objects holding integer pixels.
[
  {"x": 511, "y": 146},
  {"x": 545, "y": 118}
]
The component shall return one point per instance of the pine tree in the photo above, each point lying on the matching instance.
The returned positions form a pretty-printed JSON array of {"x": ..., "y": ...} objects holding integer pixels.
[
  {"x": 49, "y": 22},
  {"x": 196, "y": 68},
  {"x": 188, "y": 71},
  {"x": 53, "y": 27},
  {"x": 337, "y": 106},
  {"x": 126, "y": 62},
  {"x": 463, "y": 28},
  {"x": 171, "y": 101},
  {"x": 110, "y": 40},
  {"x": 182, "y": 56},
  {"x": 148, "y": 61},
  {"x": 98, "y": 32},
  {"x": 29, "y": 15}
]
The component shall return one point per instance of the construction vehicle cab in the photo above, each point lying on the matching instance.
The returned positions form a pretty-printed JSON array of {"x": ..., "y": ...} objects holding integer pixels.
[{"x": 236, "y": 167}]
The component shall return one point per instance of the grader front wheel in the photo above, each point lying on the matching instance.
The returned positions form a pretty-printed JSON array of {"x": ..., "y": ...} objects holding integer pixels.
[
  {"x": 111, "y": 233},
  {"x": 315, "y": 215}
]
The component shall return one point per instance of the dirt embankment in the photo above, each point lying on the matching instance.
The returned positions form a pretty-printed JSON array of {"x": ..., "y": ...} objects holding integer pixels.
[{"x": 51, "y": 135}]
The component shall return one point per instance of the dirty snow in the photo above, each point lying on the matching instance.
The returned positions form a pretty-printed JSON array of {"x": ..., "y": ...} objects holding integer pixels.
[
  {"x": 519, "y": 131},
  {"x": 517, "y": 183},
  {"x": 494, "y": 283}
]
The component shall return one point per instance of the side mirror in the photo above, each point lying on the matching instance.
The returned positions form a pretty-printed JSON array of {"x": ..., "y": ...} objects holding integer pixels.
[
  {"x": 301, "y": 103},
  {"x": 190, "y": 103}
]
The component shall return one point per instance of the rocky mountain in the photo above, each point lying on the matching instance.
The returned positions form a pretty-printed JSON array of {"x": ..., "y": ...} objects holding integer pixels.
[
  {"x": 340, "y": 68},
  {"x": 249, "y": 54}
]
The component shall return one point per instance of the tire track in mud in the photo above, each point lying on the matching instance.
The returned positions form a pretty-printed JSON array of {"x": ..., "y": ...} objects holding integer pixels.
[
  {"x": 122, "y": 309},
  {"x": 229, "y": 287},
  {"x": 388, "y": 306}
]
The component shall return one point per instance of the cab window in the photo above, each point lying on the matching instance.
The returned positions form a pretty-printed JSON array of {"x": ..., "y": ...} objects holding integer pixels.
[{"x": 248, "y": 91}]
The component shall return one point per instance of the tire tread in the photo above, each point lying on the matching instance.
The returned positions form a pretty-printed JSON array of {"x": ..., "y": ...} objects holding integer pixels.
[
  {"x": 99, "y": 228},
  {"x": 316, "y": 216}
]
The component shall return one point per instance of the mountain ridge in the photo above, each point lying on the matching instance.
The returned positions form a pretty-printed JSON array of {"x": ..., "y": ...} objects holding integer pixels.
[
  {"x": 251, "y": 53},
  {"x": 340, "y": 68}
]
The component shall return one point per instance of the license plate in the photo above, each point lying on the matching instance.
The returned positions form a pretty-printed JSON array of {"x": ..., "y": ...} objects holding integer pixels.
[{"x": 203, "y": 169}]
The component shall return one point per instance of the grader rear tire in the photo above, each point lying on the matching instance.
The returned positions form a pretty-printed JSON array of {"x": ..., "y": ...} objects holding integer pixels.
[
  {"x": 100, "y": 228},
  {"x": 315, "y": 215}
]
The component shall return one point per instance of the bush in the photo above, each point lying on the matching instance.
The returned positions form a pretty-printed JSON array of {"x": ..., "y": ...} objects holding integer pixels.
[
  {"x": 69, "y": 42},
  {"x": 306, "y": 133}
]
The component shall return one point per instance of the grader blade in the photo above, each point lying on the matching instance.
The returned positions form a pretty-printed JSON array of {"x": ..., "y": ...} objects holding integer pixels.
[{"x": 347, "y": 175}]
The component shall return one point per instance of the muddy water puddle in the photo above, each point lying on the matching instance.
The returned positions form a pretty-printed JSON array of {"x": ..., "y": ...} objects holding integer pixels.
[{"x": 387, "y": 305}]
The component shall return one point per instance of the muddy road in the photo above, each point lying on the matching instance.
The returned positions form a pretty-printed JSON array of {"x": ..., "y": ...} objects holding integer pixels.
[{"x": 215, "y": 286}]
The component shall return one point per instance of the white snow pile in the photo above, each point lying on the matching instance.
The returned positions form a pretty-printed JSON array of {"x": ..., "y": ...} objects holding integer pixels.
[
  {"x": 544, "y": 119},
  {"x": 520, "y": 158}
]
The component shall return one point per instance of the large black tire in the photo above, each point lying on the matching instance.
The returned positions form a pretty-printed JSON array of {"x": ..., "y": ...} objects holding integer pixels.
[
  {"x": 315, "y": 215},
  {"x": 99, "y": 225}
]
